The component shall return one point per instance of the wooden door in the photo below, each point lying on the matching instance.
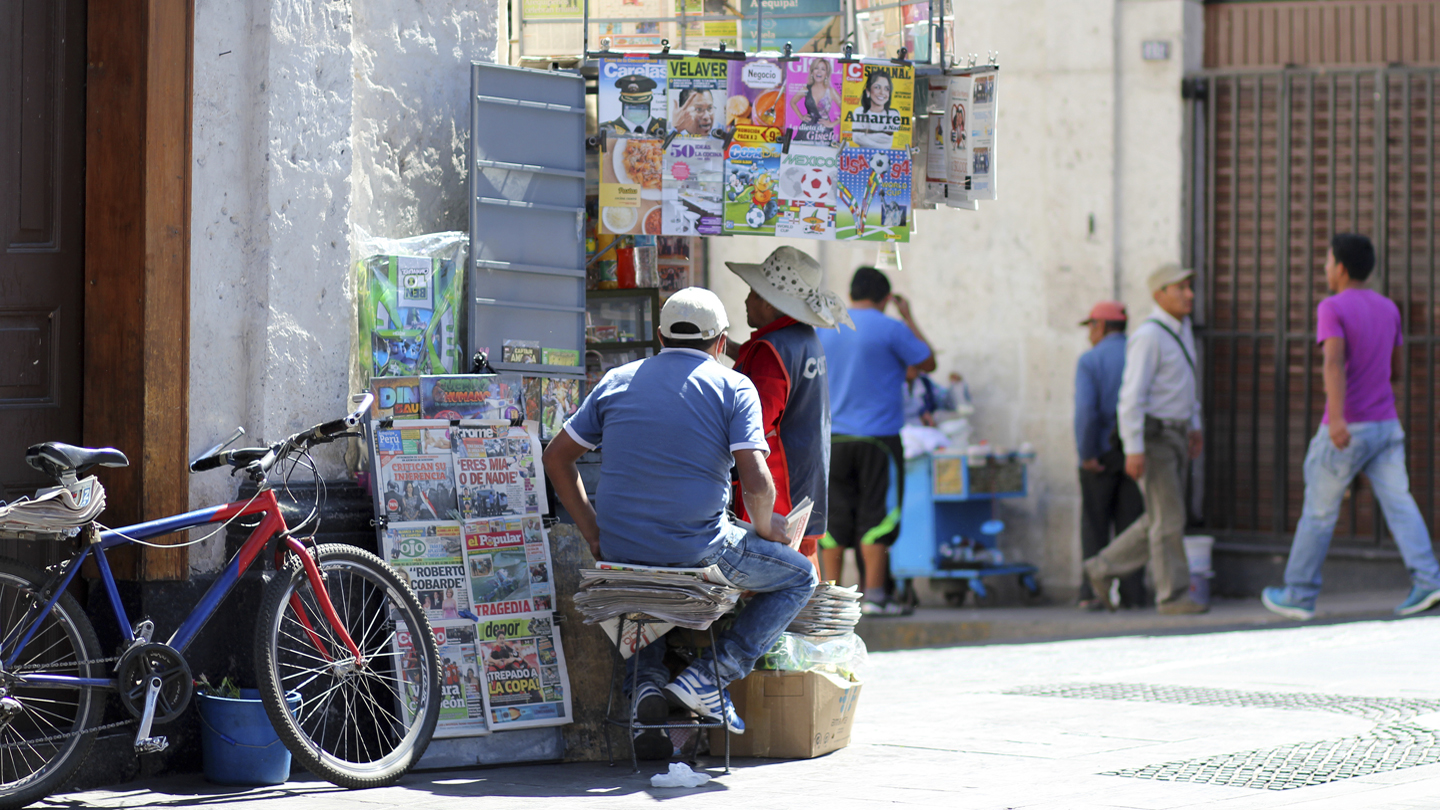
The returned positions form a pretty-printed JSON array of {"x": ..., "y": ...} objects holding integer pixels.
[{"x": 42, "y": 223}]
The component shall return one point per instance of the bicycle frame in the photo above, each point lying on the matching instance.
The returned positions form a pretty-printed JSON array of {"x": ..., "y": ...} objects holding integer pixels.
[{"x": 271, "y": 524}]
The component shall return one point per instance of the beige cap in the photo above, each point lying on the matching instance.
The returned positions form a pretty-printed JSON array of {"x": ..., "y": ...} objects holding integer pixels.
[
  {"x": 790, "y": 280},
  {"x": 697, "y": 308},
  {"x": 1167, "y": 275}
]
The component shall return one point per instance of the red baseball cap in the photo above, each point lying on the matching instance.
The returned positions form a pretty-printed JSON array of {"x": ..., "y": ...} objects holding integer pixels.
[{"x": 1106, "y": 311}]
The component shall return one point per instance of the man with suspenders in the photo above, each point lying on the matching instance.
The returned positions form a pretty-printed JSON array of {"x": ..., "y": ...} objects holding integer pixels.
[
  {"x": 1159, "y": 422},
  {"x": 785, "y": 360}
]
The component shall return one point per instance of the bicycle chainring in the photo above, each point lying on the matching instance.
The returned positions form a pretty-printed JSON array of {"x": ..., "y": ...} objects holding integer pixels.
[{"x": 135, "y": 669}]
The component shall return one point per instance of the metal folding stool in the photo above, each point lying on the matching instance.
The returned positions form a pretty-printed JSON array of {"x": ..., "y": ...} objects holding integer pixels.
[{"x": 628, "y": 722}]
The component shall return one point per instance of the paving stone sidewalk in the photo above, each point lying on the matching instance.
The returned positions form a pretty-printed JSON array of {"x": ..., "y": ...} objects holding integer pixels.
[{"x": 1340, "y": 715}]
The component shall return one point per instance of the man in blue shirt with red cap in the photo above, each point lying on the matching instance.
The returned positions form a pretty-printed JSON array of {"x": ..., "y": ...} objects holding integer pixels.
[{"x": 1109, "y": 499}]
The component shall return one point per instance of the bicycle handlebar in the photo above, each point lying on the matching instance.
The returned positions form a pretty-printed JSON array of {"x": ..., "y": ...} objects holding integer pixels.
[{"x": 259, "y": 460}]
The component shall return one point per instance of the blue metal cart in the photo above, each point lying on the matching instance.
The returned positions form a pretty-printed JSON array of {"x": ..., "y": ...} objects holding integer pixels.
[{"x": 946, "y": 498}]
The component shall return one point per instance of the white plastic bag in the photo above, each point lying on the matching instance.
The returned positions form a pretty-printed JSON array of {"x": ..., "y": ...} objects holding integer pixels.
[{"x": 680, "y": 775}]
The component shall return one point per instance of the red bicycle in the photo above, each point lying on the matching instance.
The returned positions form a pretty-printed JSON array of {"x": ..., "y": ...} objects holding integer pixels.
[{"x": 344, "y": 656}]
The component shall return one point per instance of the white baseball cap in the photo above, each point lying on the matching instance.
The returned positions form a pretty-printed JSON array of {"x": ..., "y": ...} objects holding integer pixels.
[{"x": 694, "y": 307}]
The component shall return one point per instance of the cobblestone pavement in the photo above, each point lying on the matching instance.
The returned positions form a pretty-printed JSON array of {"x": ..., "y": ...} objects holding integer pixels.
[{"x": 1335, "y": 716}]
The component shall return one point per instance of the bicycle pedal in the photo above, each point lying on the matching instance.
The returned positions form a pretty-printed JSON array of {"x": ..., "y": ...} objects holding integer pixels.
[{"x": 151, "y": 745}]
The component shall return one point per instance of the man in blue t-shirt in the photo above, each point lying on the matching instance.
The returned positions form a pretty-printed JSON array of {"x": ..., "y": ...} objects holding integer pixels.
[
  {"x": 867, "y": 409},
  {"x": 671, "y": 427}
]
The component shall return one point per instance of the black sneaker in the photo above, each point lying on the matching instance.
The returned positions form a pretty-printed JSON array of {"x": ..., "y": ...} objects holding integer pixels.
[{"x": 652, "y": 709}]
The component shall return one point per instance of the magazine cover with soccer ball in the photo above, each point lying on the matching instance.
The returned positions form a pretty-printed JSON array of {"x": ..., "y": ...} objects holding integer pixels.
[
  {"x": 874, "y": 190},
  {"x": 807, "y": 189},
  {"x": 752, "y": 180}
]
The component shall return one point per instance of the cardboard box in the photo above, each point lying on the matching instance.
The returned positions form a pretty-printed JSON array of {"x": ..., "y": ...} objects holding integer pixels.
[{"x": 791, "y": 715}]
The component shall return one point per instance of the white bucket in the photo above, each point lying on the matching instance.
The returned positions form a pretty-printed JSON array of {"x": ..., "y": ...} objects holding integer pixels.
[{"x": 1197, "y": 553}]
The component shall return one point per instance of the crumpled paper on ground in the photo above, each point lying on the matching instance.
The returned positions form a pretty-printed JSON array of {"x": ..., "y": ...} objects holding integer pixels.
[{"x": 680, "y": 775}]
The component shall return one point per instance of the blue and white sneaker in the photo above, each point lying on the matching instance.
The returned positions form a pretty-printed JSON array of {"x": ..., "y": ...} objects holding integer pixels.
[
  {"x": 1420, "y": 600},
  {"x": 695, "y": 690},
  {"x": 1278, "y": 601}
]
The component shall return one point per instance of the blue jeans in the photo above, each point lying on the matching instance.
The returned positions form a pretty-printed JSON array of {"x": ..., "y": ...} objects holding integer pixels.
[
  {"x": 782, "y": 581},
  {"x": 1378, "y": 450}
]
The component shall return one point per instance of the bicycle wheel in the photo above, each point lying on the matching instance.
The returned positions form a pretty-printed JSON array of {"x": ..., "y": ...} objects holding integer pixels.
[
  {"x": 355, "y": 726},
  {"x": 47, "y": 731}
]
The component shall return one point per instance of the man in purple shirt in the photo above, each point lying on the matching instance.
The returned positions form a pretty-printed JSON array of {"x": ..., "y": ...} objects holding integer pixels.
[{"x": 1360, "y": 330}]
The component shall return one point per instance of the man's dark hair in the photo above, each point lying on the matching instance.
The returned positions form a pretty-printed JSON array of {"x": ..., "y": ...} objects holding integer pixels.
[
  {"x": 702, "y": 344},
  {"x": 1355, "y": 252},
  {"x": 869, "y": 284},
  {"x": 1114, "y": 326}
]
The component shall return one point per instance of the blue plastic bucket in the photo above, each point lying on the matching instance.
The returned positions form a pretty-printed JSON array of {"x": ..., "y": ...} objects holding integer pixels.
[{"x": 240, "y": 746}]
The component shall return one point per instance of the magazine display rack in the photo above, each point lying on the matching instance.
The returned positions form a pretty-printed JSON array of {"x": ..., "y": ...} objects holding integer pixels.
[
  {"x": 945, "y": 499},
  {"x": 527, "y": 218}
]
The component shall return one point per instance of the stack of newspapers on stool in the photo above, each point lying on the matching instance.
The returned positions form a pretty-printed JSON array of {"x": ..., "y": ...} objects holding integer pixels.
[
  {"x": 688, "y": 597},
  {"x": 831, "y": 611}
]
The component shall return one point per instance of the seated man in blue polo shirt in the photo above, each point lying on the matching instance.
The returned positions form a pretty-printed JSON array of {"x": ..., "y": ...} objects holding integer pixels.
[{"x": 671, "y": 427}]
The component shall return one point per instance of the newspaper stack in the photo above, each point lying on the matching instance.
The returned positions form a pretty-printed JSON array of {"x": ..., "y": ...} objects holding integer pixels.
[
  {"x": 685, "y": 599},
  {"x": 831, "y": 611},
  {"x": 59, "y": 510}
]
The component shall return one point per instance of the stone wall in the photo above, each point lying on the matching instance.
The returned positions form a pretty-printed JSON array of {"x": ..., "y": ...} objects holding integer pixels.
[{"x": 310, "y": 119}]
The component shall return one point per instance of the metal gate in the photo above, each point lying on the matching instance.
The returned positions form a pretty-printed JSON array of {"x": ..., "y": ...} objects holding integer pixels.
[{"x": 1277, "y": 162}]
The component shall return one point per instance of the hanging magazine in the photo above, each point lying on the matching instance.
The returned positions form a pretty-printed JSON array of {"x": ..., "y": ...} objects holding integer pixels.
[
  {"x": 430, "y": 557},
  {"x": 697, "y": 89},
  {"x": 957, "y": 138},
  {"x": 690, "y": 190},
  {"x": 935, "y": 139},
  {"x": 877, "y": 105},
  {"x": 874, "y": 190},
  {"x": 752, "y": 177},
  {"x": 756, "y": 95},
  {"x": 982, "y": 137},
  {"x": 507, "y": 565},
  {"x": 812, "y": 100},
  {"x": 807, "y": 189},
  {"x": 525, "y": 678},
  {"x": 413, "y": 472},
  {"x": 631, "y": 97}
]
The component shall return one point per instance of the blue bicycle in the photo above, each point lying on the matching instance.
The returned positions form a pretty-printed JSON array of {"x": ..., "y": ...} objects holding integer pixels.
[{"x": 338, "y": 631}]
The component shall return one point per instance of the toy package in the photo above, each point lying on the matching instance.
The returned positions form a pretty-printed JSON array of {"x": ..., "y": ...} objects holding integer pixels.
[{"x": 410, "y": 312}]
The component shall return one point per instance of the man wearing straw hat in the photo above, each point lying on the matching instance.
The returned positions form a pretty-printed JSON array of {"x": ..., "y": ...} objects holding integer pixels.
[
  {"x": 785, "y": 360},
  {"x": 1159, "y": 420}
]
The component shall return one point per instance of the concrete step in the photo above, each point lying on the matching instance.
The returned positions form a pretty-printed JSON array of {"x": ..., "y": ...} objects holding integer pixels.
[{"x": 948, "y": 627}]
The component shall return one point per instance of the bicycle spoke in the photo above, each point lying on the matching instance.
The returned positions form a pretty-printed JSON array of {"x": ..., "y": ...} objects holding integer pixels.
[{"x": 363, "y": 721}]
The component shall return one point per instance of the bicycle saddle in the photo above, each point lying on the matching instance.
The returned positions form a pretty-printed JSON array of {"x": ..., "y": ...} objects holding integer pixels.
[{"x": 56, "y": 458}]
